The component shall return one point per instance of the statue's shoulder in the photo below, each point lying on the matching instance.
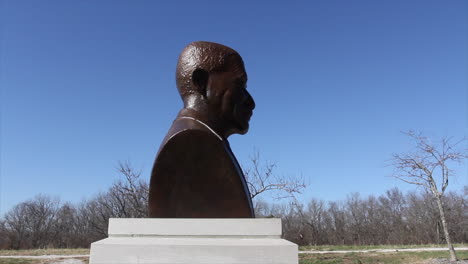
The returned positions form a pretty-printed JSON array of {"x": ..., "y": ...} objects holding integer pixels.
[{"x": 190, "y": 149}]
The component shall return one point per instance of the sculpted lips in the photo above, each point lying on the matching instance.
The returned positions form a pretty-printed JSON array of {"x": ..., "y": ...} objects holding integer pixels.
[{"x": 249, "y": 115}]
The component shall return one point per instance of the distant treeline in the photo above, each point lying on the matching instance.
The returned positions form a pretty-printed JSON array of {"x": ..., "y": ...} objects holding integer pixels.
[{"x": 391, "y": 218}]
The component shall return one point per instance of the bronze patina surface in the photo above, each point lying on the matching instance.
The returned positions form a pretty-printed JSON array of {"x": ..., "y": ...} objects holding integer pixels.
[{"x": 195, "y": 173}]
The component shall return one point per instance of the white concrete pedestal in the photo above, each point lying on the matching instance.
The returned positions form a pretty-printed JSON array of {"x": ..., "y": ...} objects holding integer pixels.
[{"x": 194, "y": 241}]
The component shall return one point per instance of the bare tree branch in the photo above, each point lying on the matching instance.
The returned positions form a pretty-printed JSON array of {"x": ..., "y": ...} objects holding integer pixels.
[{"x": 262, "y": 179}]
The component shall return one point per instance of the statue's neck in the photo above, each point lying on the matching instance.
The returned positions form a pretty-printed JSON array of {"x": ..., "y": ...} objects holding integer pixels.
[{"x": 205, "y": 119}]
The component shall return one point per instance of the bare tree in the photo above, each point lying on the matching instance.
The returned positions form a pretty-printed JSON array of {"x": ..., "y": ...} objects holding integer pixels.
[
  {"x": 32, "y": 222},
  {"x": 261, "y": 178},
  {"x": 313, "y": 219},
  {"x": 338, "y": 223},
  {"x": 16, "y": 224},
  {"x": 133, "y": 189},
  {"x": 428, "y": 166},
  {"x": 465, "y": 212},
  {"x": 126, "y": 198}
]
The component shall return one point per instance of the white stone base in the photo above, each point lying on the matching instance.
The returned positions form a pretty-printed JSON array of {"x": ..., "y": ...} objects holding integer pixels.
[{"x": 194, "y": 241}]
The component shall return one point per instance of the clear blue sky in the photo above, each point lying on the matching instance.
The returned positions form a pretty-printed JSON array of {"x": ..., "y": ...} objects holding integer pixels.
[{"x": 85, "y": 84}]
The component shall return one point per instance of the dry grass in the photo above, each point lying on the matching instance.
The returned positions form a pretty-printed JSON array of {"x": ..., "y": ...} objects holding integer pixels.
[
  {"x": 377, "y": 258},
  {"x": 20, "y": 261},
  {"x": 368, "y": 247},
  {"x": 40, "y": 252}
]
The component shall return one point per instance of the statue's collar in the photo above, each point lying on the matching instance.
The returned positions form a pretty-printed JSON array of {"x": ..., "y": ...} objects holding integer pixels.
[{"x": 207, "y": 126}]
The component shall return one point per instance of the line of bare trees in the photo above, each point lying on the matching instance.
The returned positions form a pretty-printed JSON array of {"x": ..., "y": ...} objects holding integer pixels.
[
  {"x": 46, "y": 222},
  {"x": 430, "y": 216},
  {"x": 391, "y": 218}
]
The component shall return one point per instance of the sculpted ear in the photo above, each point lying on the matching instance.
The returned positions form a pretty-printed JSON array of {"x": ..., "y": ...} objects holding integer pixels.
[{"x": 200, "y": 81}]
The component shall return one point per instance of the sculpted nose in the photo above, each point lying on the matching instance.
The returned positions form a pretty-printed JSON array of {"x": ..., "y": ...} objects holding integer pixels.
[{"x": 250, "y": 101}]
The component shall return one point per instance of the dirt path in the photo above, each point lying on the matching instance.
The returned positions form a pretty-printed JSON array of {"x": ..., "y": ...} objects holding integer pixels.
[
  {"x": 68, "y": 261},
  {"x": 378, "y": 250}
]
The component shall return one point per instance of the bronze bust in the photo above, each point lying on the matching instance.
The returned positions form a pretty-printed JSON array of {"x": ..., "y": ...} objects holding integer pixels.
[{"x": 195, "y": 173}]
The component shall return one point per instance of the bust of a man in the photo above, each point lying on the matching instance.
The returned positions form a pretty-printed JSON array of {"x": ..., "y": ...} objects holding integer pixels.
[{"x": 195, "y": 173}]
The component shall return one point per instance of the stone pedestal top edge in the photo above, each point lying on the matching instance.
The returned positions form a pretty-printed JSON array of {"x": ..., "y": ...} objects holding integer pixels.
[{"x": 194, "y": 227}]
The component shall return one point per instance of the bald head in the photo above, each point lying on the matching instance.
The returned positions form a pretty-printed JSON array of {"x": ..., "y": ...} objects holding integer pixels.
[{"x": 202, "y": 56}]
